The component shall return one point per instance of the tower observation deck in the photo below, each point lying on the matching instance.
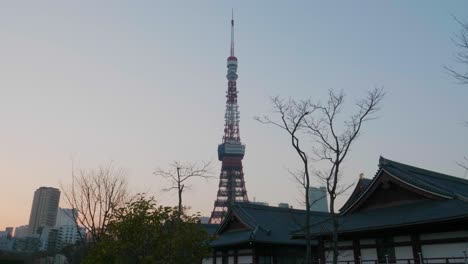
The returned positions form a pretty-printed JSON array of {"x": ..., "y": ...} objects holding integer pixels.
[{"x": 231, "y": 151}]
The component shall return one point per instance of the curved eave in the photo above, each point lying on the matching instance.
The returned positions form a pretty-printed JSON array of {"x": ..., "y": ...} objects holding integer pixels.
[
  {"x": 228, "y": 216},
  {"x": 366, "y": 192},
  {"x": 356, "y": 193},
  {"x": 417, "y": 187}
]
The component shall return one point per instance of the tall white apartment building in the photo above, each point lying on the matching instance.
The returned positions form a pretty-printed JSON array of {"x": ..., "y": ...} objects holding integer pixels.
[{"x": 44, "y": 208}]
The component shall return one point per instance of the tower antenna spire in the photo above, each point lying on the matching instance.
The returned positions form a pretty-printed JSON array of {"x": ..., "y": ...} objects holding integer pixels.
[
  {"x": 232, "y": 33},
  {"x": 231, "y": 151}
]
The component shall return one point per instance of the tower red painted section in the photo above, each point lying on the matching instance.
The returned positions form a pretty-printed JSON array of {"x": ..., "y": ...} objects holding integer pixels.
[{"x": 231, "y": 151}]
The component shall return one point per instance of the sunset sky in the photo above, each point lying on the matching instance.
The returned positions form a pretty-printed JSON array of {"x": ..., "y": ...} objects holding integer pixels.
[{"x": 142, "y": 83}]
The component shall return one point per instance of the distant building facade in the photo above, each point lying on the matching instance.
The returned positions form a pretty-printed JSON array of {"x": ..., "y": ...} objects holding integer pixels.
[
  {"x": 69, "y": 235},
  {"x": 318, "y": 199},
  {"x": 259, "y": 203},
  {"x": 44, "y": 233},
  {"x": 6, "y": 244},
  {"x": 21, "y": 231},
  {"x": 66, "y": 216},
  {"x": 67, "y": 232},
  {"x": 8, "y": 233},
  {"x": 44, "y": 208},
  {"x": 6, "y": 240},
  {"x": 27, "y": 244}
]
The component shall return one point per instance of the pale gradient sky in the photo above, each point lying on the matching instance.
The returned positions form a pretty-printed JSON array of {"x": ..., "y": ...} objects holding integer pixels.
[{"x": 143, "y": 83}]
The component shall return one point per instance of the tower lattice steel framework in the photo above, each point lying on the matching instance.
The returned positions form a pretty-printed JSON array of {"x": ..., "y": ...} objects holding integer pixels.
[{"x": 231, "y": 151}]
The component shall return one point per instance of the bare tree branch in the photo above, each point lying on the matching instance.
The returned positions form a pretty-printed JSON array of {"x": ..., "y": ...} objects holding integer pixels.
[
  {"x": 179, "y": 173},
  {"x": 292, "y": 120},
  {"x": 460, "y": 41},
  {"x": 95, "y": 195},
  {"x": 463, "y": 164},
  {"x": 331, "y": 143}
]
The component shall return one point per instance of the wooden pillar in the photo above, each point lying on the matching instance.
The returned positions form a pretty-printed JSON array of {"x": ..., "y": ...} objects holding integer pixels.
[
  {"x": 356, "y": 251},
  {"x": 416, "y": 245},
  {"x": 321, "y": 251},
  {"x": 235, "y": 256},
  {"x": 214, "y": 256},
  {"x": 254, "y": 255},
  {"x": 225, "y": 257}
]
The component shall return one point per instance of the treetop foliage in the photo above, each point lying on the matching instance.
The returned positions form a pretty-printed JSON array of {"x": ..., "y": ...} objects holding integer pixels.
[{"x": 144, "y": 232}]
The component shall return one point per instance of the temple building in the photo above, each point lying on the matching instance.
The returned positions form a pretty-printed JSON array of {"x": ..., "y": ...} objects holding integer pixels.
[{"x": 404, "y": 214}]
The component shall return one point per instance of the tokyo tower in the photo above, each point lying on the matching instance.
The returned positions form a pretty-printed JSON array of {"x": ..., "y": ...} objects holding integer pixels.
[{"x": 231, "y": 150}]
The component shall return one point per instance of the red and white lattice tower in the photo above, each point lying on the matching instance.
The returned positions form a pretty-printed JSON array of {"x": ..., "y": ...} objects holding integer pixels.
[{"x": 231, "y": 151}]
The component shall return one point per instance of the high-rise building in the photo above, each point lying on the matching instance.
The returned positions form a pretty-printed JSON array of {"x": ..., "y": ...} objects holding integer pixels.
[
  {"x": 44, "y": 208},
  {"x": 66, "y": 216},
  {"x": 231, "y": 151},
  {"x": 318, "y": 199}
]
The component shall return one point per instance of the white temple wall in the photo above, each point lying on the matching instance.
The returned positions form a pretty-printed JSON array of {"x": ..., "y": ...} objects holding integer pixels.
[
  {"x": 369, "y": 254},
  {"x": 405, "y": 252},
  {"x": 244, "y": 259},
  {"x": 444, "y": 250}
]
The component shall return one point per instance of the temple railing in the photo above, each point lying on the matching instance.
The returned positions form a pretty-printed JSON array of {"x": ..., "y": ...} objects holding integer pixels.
[{"x": 441, "y": 260}]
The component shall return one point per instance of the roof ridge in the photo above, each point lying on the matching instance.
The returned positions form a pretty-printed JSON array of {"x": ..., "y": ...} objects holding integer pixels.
[
  {"x": 274, "y": 208},
  {"x": 385, "y": 162},
  {"x": 421, "y": 180}
]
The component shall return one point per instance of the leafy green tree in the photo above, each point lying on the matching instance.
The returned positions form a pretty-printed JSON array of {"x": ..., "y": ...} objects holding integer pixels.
[{"x": 144, "y": 232}]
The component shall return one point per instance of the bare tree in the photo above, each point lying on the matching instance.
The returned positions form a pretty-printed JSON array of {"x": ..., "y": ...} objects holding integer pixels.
[
  {"x": 179, "y": 173},
  {"x": 95, "y": 194},
  {"x": 461, "y": 56},
  {"x": 292, "y": 119},
  {"x": 334, "y": 146},
  {"x": 464, "y": 163},
  {"x": 332, "y": 141}
]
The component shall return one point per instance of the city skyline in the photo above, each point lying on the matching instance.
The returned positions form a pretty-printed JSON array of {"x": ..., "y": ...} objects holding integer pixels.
[{"x": 142, "y": 84}]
